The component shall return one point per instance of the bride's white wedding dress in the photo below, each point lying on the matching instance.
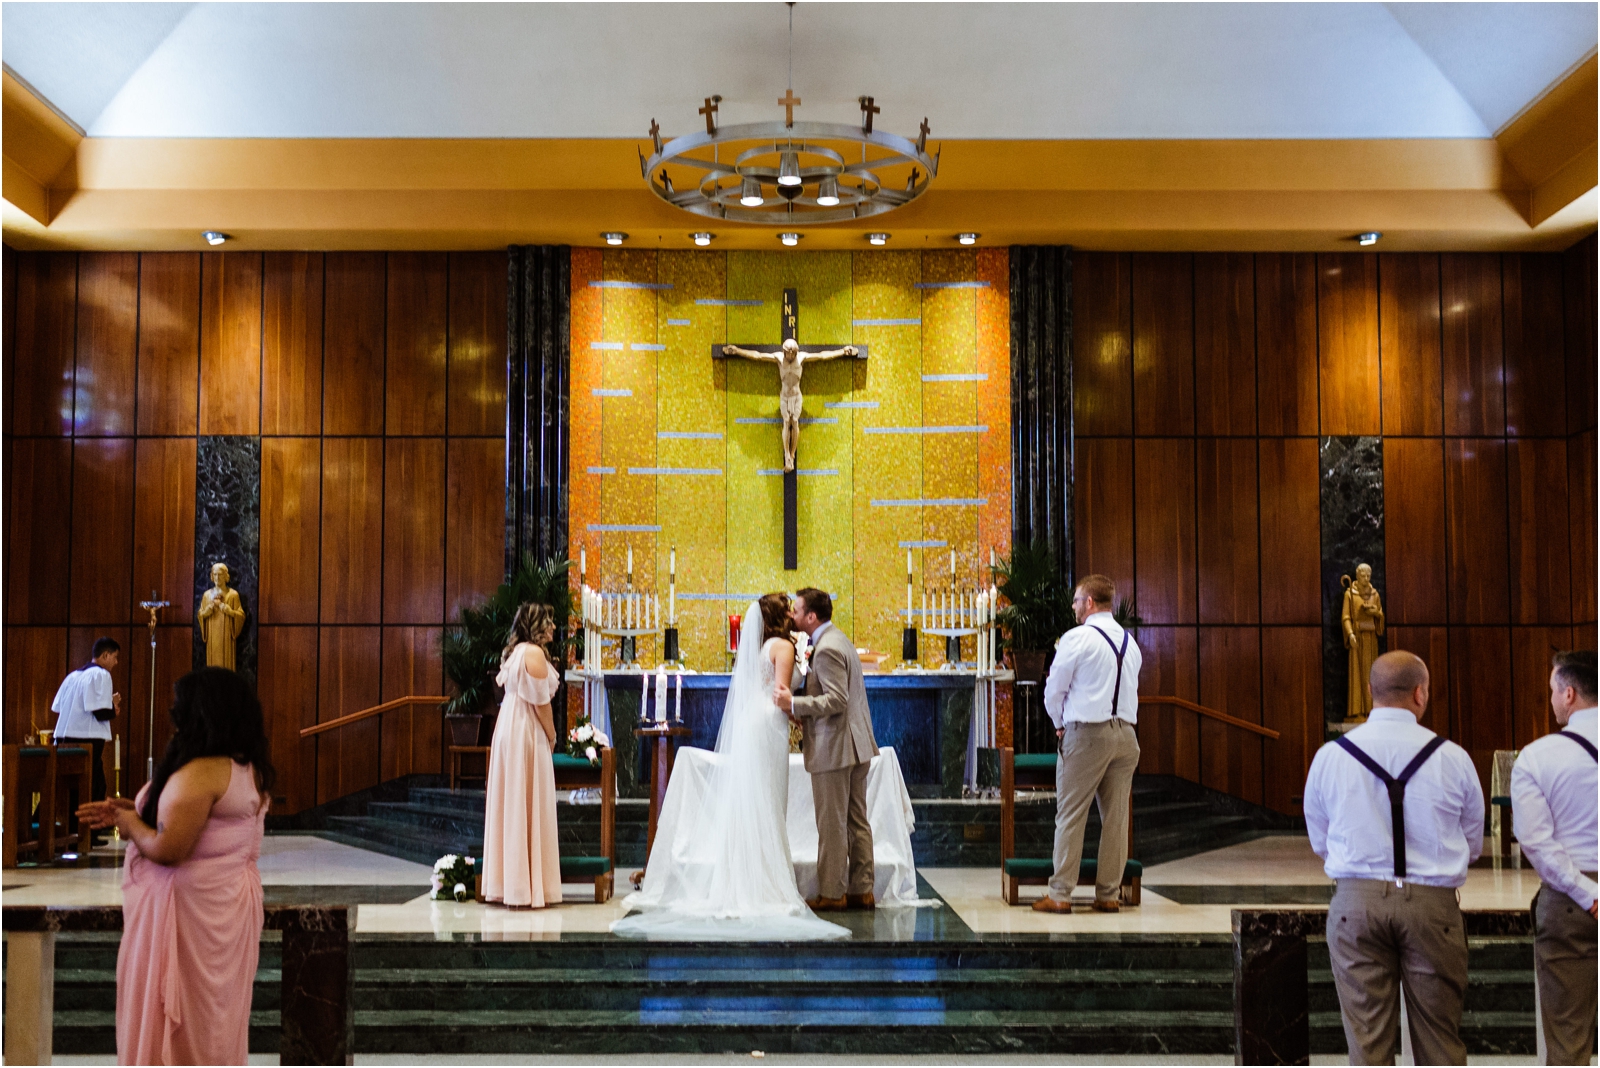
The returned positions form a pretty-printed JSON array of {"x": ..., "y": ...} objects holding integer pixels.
[{"x": 725, "y": 872}]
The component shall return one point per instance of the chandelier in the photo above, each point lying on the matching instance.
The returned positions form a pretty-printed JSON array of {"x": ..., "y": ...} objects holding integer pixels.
[{"x": 789, "y": 173}]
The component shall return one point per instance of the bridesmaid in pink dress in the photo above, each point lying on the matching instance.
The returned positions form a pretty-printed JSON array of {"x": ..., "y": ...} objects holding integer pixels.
[
  {"x": 521, "y": 851},
  {"x": 191, "y": 892}
]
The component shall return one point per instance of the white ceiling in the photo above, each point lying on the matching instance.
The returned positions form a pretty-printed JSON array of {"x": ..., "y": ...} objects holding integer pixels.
[{"x": 1048, "y": 71}]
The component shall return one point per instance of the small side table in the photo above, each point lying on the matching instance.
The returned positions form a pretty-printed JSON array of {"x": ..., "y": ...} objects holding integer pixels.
[{"x": 660, "y": 773}]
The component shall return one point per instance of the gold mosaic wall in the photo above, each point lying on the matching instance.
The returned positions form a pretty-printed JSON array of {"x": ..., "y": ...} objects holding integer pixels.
[{"x": 907, "y": 449}]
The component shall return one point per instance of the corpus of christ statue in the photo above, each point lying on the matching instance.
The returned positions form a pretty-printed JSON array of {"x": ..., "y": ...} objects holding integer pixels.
[{"x": 791, "y": 365}]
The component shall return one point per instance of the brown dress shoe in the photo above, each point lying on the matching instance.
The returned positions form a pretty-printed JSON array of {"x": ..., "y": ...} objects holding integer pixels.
[
  {"x": 826, "y": 904},
  {"x": 1050, "y": 904},
  {"x": 1113, "y": 905},
  {"x": 860, "y": 901}
]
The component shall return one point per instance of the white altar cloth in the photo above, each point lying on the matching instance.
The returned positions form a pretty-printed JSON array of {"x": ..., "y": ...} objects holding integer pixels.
[{"x": 888, "y": 810}]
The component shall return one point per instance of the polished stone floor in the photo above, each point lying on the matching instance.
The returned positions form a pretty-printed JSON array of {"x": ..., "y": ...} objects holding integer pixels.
[
  {"x": 791, "y": 1058},
  {"x": 1190, "y": 896}
]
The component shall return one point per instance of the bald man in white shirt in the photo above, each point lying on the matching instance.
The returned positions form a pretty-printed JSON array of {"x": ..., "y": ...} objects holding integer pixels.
[
  {"x": 1396, "y": 814},
  {"x": 1555, "y": 814}
]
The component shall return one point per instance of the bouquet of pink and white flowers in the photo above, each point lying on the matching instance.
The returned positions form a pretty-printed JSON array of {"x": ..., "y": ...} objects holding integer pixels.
[
  {"x": 452, "y": 877},
  {"x": 586, "y": 740}
]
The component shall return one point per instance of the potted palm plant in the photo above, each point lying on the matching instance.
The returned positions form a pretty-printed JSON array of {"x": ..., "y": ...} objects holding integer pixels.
[
  {"x": 1039, "y": 609},
  {"x": 472, "y": 645}
]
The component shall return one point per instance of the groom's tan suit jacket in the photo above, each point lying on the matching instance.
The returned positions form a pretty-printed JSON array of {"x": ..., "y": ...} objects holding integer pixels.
[{"x": 835, "y": 724}]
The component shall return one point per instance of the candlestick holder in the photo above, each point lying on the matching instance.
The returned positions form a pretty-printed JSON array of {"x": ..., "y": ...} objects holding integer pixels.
[
  {"x": 669, "y": 645},
  {"x": 908, "y": 645}
]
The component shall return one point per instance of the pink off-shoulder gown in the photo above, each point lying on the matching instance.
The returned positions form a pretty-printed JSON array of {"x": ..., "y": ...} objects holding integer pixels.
[
  {"x": 191, "y": 939},
  {"x": 521, "y": 851}
]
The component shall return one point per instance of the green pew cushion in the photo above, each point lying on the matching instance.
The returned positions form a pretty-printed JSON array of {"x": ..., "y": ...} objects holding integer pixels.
[
  {"x": 1044, "y": 867},
  {"x": 564, "y": 762},
  {"x": 584, "y": 867},
  {"x": 1035, "y": 761}
]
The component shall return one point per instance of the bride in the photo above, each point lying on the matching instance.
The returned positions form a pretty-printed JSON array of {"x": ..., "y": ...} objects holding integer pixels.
[{"x": 720, "y": 867}]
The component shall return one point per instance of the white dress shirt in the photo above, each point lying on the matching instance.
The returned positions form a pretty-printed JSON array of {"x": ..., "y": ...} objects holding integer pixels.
[
  {"x": 1347, "y": 807},
  {"x": 1553, "y": 809},
  {"x": 1084, "y": 672},
  {"x": 81, "y": 692}
]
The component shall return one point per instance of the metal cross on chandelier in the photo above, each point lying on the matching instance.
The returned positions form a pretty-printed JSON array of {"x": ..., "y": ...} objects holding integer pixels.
[{"x": 788, "y": 173}]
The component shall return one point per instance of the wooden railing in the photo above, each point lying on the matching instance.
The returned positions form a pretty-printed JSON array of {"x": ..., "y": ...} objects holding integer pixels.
[
  {"x": 1209, "y": 713},
  {"x": 368, "y": 713}
]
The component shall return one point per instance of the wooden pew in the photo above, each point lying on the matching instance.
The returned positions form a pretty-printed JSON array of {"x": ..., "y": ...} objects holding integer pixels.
[
  {"x": 1037, "y": 771},
  {"x": 574, "y": 773}
]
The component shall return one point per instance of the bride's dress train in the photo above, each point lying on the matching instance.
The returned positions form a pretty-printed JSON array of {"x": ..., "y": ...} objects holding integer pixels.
[{"x": 724, "y": 870}]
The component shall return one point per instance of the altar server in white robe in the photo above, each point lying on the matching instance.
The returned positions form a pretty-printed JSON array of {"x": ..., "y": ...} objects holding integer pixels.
[{"x": 85, "y": 705}]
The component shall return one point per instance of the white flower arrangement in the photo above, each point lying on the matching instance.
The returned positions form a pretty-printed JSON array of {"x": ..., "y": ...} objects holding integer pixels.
[
  {"x": 586, "y": 740},
  {"x": 456, "y": 872},
  {"x": 802, "y": 652}
]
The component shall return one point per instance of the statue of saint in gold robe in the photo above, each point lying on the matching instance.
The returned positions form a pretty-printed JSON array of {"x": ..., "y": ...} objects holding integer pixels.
[
  {"x": 1362, "y": 620},
  {"x": 221, "y": 620}
]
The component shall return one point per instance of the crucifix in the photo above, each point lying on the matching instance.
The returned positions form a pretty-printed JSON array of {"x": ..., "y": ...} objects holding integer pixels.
[{"x": 791, "y": 364}]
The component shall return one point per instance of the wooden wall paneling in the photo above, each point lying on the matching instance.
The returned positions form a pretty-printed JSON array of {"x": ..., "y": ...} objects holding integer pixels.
[
  {"x": 37, "y": 548},
  {"x": 1291, "y": 531},
  {"x": 1347, "y": 343},
  {"x": 80, "y": 648},
  {"x": 102, "y": 530},
  {"x": 475, "y": 527},
  {"x": 291, "y": 508},
  {"x": 169, "y": 342},
  {"x": 414, "y": 373},
  {"x": 1230, "y": 681},
  {"x": 230, "y": 342},
  {"x": 9, "y": 264},
  {"x": 412, "y": 667},
  {"x": 1286, "y": 343},
  {"x": 1408, "y": 342},
  {"x": 1414, "y": 531},
  {"x": 46, "y": 329},
  {"x": 1164, "y": 529},
  {"x": 1102, "y": 362},
  {"x": 1473, "y": 343},
  {"x": 1578, "y": 276},
  {"x": 1540, "y": 530},
  {"x": 107, "y": 343},
  {"x": 1291, "y": 690},
  {"x": 1581, "y": 508},
  {"x": 352, "y": 529},
  {"x": 1481, "y": 694},
  {"x": 1432, "y": 644},
  {"x": 1536, "y": 356},
  {"x": 1476, "y": 539},
  {"x": 35, "y": 663},
  {"x": 1225, "y": 343},
  {"x": 1227, "y": 550},
  {"x": 413, "y": 530},
  {"x": 348, "y": 680},
  {"x": 174, "y": 659},
  {"x": 291, "y": 350},
  {"x": 1169, "y": 738},
  {"x": 1531, "y": 649},
  {"x": 286, "y": 674},
  {"x": 1163, "y": 343},
  {"x": 477, "y": 343},
  {"x": 353, "y": 343},
  {"x": 163, "y": 527},
  {"x": 1103, "y": 518}
]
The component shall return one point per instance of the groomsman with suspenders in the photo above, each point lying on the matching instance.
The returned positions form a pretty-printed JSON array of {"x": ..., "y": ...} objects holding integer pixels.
[
  {"x": 1396, "y": 814},
  {"x": 1553, "y": 805}
]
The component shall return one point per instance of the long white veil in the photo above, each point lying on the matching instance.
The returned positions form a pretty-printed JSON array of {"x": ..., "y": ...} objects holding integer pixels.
[{"x": 720, "y": 867}]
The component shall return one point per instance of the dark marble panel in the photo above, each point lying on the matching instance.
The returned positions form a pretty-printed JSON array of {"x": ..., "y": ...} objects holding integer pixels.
[
  {"x": 227, "y": 529},
  {"x": 955, "y": 721},
  {"x": 1352, "y": 533},
  {"x": 318, "y": 987},
  {"x": 1271, "y": 1015},
  {"x": 1316, "y": 894}
]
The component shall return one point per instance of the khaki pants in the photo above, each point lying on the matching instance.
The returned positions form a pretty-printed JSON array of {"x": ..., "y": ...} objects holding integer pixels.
[
  {"x": 1097, "y": 760},
  {"x": 844, "y": 837},
  {"x": 1564, "y": 967},
  {"x": 1381, "y": 938}
]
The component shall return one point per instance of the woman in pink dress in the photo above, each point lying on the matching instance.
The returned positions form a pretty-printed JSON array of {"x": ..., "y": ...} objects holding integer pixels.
[
  {"x": 191, "y": 892},
  {"x": 521, "y": 851}
]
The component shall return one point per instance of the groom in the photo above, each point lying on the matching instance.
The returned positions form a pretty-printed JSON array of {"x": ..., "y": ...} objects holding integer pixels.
[{"x": 836, "y": 737}]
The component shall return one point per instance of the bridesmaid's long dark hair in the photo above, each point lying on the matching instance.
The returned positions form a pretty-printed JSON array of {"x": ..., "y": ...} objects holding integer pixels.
[
  {"x": 530, "y": 622},
  {"x": 214, "y": 713}
]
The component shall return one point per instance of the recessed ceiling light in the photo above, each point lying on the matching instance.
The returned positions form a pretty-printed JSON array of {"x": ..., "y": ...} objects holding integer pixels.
[
  {"x": 968, "y": 239},
  {"x": 1368, "y": 238},
  {"x": 214, "y": 237},
  {"x": 878, "y": 239},
  {"x": 614, "y": 237},
  {"x": 789, "y": 239},
  {"x": 750, "y": 193},
  {"x": 701, "y": 239}
]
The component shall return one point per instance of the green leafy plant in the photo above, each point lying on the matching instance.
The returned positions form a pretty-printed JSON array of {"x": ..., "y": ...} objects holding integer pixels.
[
  {"x": 471, "y": 646},
  {"x": 1040, "y": 608}
]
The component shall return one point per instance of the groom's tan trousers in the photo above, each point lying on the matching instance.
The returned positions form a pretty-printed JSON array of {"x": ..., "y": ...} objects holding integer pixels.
[{"x": 844, "y": 837}]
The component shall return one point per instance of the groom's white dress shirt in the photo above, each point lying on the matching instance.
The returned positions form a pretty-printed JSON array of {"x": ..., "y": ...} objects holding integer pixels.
[{"x": 1085, "y": 671}]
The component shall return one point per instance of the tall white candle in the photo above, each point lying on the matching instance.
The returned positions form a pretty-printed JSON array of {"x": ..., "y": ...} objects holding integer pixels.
[
  {"x": 677, "y": 713},
  {"x": 991, "y": 558},
  {"x": 658, "y": 611},
  {"x": 583, "y": 564},
  {"x": 952, "y": 567},
  {"x": 661, "y": 694},
  {"x": 630, "y": 565},
  {"x": 672, "y": 590}
]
